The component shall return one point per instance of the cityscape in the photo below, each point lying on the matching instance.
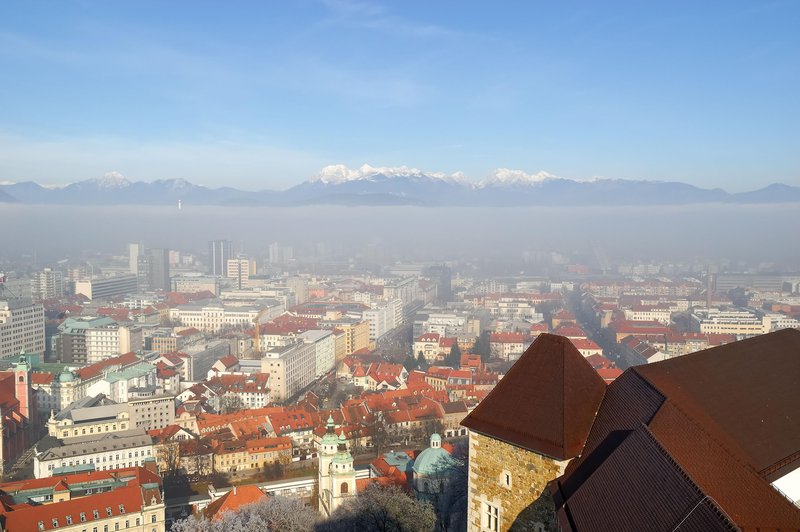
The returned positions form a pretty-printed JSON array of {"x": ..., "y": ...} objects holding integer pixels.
[{"x": 217, "y": 314}]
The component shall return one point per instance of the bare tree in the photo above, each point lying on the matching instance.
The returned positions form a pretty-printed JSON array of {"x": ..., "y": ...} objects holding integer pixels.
[
  {"x": 229, "y": 403},
  {"x": 381, "y": 509},
  {"x": 274, "y": 514}
]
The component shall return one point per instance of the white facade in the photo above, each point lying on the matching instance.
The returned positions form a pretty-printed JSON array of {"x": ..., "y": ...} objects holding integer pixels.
[
  {"x": 21, "y": 328},
  {"x": 109, "y": 451},
  {"x": 325, "y": 348},
  {"x": 112, "y": 340},
  {"x": 291, "y": 369},
  {"x": 213, "y": 318}
]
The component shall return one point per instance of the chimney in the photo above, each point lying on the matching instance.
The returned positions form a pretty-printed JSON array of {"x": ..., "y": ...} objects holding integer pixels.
[{"x": 234, "y": 490}]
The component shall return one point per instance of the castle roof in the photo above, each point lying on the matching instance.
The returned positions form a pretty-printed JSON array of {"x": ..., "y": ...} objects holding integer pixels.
[{"x": 546, "y": 402}]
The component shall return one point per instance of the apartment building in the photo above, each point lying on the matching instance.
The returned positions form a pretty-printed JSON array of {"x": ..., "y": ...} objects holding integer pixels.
[{"x": 21, "y": 328}]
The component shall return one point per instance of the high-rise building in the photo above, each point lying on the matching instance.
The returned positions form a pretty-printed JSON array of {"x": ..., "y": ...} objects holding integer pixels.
[
  {"x": 134, "y": 250},
  {"x": 153, "y": 270},
  {"x": 21, "y": 327},
  {"x": 219, "y": 251},
  {"x": 159, "y": 269},
  {"x": 104, "y": 287},
  {"x": 240, "y": 269},
  {"x": 47, "y": 284}
]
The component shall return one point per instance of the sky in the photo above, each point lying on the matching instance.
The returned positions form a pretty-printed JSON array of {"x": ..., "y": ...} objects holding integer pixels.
[{"x": 262, "y": 95}]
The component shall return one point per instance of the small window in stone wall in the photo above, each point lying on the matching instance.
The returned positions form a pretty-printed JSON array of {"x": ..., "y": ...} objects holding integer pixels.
[{"x": 505, "y": 479}]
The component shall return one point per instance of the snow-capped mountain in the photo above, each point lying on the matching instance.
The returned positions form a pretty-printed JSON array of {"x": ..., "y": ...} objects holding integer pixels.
[
  {"x": 507, "y": 176},
  {"x": 401, "y": 185},
  {"x": 338, "y": 174}
]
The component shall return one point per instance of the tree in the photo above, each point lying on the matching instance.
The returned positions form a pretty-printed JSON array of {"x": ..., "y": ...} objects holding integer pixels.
[
  {"x": 381, "y": 509},
  {"x": 422, "y": 363},
  {"x": 379, "y": 433},
  {"x": 410, "y": 363},
  {"x": 454, "y": 358},
  {"x": 482, "y": 346},
  {"x": 274, "y": 514},
  {"x": 230, "y": 403}
]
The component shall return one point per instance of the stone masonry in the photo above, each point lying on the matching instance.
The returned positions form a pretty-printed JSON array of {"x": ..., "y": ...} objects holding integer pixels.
[{"x": 511, "y": 479}]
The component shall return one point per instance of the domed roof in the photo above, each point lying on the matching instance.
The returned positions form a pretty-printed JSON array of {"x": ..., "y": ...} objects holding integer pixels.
[
  {"x": 433, "y": 460},
  {"x": 66, "y": 376}
]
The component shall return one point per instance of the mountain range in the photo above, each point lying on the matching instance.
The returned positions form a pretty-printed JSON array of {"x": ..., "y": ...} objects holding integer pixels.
[{"x": 339, "y": 185}]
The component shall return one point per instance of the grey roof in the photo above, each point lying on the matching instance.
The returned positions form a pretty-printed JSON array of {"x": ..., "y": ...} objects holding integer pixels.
[
  {"x": 81, "y": 446},
  {"x": 83, "y": 404}
]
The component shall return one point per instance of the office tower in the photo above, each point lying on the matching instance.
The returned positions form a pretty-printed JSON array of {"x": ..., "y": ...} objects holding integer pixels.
[
  {"x": 219, "y": 251},
  {"x": 134, "y": 250},
  {"x": 240, "y": 269},
  {"x": 159, "y": 269},
  {"x": 21, "y": 327}
]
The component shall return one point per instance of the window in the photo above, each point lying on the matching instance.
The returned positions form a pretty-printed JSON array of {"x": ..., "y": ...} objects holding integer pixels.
[
  {"x": 344, "y": 487},
  {"x": 96, "y": 514},
  {"x": 490, "y": 517},
  {"x": 55, "y": 523},
  {"x": 153, "y": 518},
  {"x": 505, "y": 479},
  {"x": 41, "y": 525},
  {"x": 121, "y": 509},
  {"x": 108, "y": 511},
  {"x": 83, "y": 517},
  {"x": 69, "y": 519}
]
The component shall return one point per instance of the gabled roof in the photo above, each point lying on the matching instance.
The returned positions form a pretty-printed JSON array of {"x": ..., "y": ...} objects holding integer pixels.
[{"x": 546, "y": 402}]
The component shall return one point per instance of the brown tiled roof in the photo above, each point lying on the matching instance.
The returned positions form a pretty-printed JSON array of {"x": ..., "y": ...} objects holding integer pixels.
[
  {"x": 748, "y": 388},
  {"x": 546, "y": 402},
  {"x": 727, "y": 420}
]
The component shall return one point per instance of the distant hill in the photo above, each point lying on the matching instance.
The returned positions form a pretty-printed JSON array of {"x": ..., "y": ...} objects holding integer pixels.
[{"x": 339, "y": 185}]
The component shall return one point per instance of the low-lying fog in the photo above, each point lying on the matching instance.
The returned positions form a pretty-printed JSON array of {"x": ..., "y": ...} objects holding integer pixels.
[{"x": 760, "y": 232}]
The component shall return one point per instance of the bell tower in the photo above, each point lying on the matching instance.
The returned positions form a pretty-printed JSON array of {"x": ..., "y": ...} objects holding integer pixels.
[
  {"x": 327, "y": 451},
  {"x": 343, "y": 475},
  {"x": 22, "y": 388}
]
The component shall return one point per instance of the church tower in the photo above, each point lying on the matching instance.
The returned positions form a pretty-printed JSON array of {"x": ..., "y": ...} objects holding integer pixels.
[
  {"x": 22, "y": 376},
  {"x": 343, "y": 476},
  {"x": 327, "y": 451}
]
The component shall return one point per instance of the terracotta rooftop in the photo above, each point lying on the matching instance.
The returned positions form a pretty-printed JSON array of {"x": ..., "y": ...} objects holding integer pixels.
[
  {"x": 237, "y": 497},
  {"x": 546, "y": 402}
]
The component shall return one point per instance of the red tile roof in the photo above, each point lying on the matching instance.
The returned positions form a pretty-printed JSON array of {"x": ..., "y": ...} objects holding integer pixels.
[{"x": 237, "y": 497}]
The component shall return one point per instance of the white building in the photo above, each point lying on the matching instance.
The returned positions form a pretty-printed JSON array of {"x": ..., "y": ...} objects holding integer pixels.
[
  {"x": 105, "y": 287},
  {"x": 741, "y": 322},
  {"x": 240, "y": 270},
  {"x": 47, "y": 284},
  {"x": 111, "y": 340},
  {"x": 218, "y": 316},
  {"x": 291, "y": 369},
  {"x": 325, "y": 348},
  {"x": 108, "y": 451},
  {"x": 21, "y": 328}
]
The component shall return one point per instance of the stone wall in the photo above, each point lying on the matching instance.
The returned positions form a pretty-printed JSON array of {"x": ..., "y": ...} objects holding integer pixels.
[{"x": 511, "y": 479}]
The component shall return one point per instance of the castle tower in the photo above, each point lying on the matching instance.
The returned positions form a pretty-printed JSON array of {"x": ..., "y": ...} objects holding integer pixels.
[
  {"x": 343, "y": 476},
  {"x": 327, "y": 451}
]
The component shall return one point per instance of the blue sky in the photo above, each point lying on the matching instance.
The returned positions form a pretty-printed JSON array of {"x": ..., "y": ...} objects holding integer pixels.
[{"x": 264, "y": 94}]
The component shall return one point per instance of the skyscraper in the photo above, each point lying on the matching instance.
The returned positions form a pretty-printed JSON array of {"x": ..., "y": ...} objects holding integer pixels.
[
  {"x": 134, "y": 250},
  {"x": 219, "y": 251},
  {"x": 159, "y": 269}
]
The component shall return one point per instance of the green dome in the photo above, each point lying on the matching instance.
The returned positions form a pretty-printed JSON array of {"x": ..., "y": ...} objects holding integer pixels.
[
  {"x": 66, "y": 376},
  {"x": 434, "y": 460}
]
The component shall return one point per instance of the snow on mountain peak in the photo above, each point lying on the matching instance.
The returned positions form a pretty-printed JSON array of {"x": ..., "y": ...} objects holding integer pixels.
[
  {"x": 339, "y": 173},
  {"x": 111, "y": 180},
  {"x": 507, "y": 176}
]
